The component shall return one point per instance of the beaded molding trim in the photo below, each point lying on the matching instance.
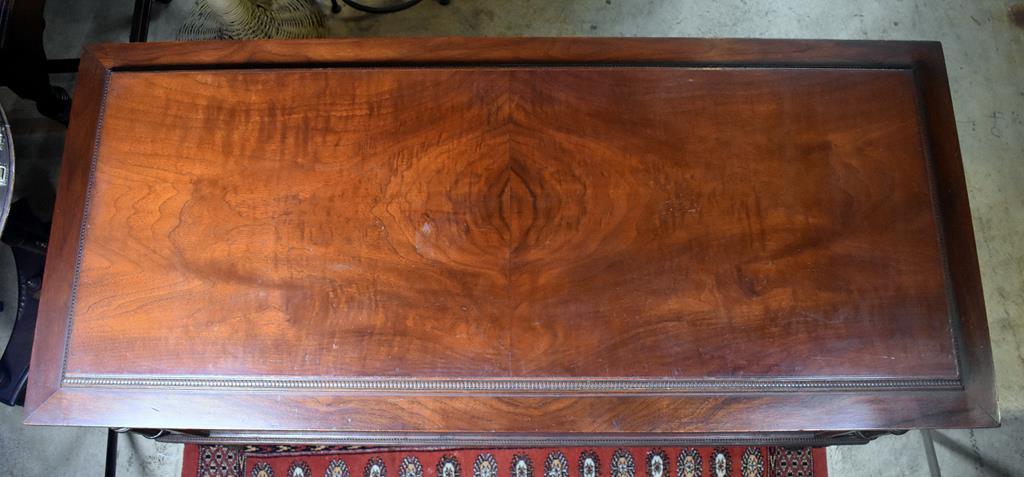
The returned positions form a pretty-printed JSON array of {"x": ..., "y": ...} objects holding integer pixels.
[{"x": 603, "y": 385}]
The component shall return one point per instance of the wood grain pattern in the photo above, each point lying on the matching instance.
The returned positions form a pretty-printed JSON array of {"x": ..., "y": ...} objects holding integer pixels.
[
  {"x": 433, "y": 236},
  {"x": 359, "y": 237}
]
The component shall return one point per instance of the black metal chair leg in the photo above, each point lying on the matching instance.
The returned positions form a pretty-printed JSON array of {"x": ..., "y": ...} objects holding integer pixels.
[
  {"x": 110, "y": 470},
  {"x": 140, "y": 21}
]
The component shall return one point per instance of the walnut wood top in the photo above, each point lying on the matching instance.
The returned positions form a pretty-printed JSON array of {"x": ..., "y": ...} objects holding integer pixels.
[{"x": 517, "y": 236}]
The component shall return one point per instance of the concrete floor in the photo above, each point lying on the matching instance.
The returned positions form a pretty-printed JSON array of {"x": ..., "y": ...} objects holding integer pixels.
[{"x": 985, "y": 55}]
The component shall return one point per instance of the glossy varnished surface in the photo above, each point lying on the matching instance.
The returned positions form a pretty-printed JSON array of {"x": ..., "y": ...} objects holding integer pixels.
[
  {"x": 576, "y": 225},
  {"x": 524, "y": 222}
]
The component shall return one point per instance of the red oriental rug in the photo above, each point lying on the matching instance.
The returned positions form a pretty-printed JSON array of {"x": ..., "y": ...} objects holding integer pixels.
[{"x": 331, "y": 461}]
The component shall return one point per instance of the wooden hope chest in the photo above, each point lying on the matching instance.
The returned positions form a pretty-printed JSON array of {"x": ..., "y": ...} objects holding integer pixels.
[{"x": 513, "y": 242}]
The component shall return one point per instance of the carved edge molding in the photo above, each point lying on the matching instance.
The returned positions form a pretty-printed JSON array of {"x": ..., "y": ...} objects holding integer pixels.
[
  {"x": 84, "y": 226},
  {"x": 419, "y": 441},
  {"x": 524, "y": 385}
]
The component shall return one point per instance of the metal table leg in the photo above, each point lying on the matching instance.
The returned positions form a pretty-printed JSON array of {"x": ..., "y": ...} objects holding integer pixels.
[{"x": 110, "y": 469}]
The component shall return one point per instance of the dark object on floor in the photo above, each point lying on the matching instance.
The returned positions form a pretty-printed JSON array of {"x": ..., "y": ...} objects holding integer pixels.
[
  {"x": 1016, "y": 14},
  {"x": 6, "y": 168},
  {"x": 27, "y": 237},
  {"x": 24, "y": 67},
  {"x": 391, "y": 8},
  {"x": 330, "y": 461},
  {"x": 57, "y": 105}
]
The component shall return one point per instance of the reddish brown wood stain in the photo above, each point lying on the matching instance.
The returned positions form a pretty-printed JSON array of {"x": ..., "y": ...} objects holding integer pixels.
[
  {"x": 557, "y": 223},
  {"x": 514, "y": 218}
]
